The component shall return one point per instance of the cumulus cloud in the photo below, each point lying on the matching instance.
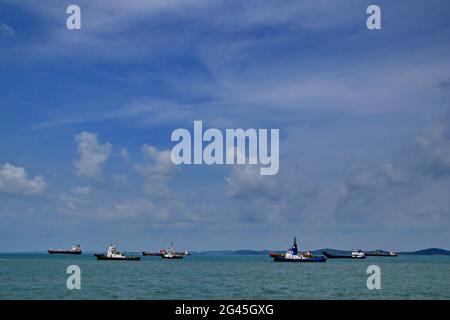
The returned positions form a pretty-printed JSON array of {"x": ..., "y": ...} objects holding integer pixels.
[
  {"x": 92, "y": 155},
  {"x": 256, "y": 198},
  {"x": 139, "y": 208},
  {"x": 160, "y": 161},
  {"x": 125, "y": 209},
  {"x": 157, "y": 170},
  {"x": 245, "y": 181},
  {"x": 383, "y": 177},
  {"x": 435, "y": 147},
  {"x": 123, "y": 153},
  {"x": 14, "y": 180}
]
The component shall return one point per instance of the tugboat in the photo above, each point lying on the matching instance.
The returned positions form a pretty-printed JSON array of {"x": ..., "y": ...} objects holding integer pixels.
[
  {"x": 76, "y": 249},
  {"x": 356, "y": 254},
  {"x": 114, "y": 254},
  {"x": 171, "y": 254},
  {"x": 292, "y": 255}
]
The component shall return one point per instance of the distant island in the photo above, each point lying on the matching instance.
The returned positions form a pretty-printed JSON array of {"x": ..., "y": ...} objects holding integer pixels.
[
  {"x": 424, "y": 252},
  {"x": 428, "y": 252}
]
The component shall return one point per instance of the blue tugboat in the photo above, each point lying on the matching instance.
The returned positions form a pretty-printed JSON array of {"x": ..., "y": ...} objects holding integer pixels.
[{"x": 292, "y": 255}]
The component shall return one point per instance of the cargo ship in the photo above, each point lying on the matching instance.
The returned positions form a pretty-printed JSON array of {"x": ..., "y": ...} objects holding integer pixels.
[
  {"x": 114, "y": 254},
  {"x": 76, "y": 249},
  {"x": 293, "y": 255},
  {"x": 380, "y": 253},
  {"x": 356, "y": 254}
]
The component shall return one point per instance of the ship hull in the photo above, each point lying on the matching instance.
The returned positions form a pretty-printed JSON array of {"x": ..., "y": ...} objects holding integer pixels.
[
  {"x": 104, "y": 257},
  {"x": 281, "y": 258},
  {"x": 275, "y": 254},
  {"x": 336, "y": 256},
  {"x": 157, "y": 254},
  {"x": 172, "y": 258},
  {"x": 380, "y": 255},
  {"x": 151, "y": 254},
  {"x": 63, "y": 252}
]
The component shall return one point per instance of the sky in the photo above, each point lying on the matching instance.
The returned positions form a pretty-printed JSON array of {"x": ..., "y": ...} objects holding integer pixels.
[{"x": 87, "y": 115}]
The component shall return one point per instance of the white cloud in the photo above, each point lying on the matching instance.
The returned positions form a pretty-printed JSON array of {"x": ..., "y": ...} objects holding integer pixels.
[
  {"x": 381, "y": 178},
  {"x": 435, "y": 147},
  {"x": 157, "y": 170},
  {"x": 81, "y": 190},
  {"x": 123, "y": 153},
  {"x": 161, "y": 163},
  {"x": 92, "y": 155},
  {"x": 14, "y": 180},
  {"x": 138, "y": 208},
  {"x": 245, "y": 181},
  {"x": 6, "y": 30}
]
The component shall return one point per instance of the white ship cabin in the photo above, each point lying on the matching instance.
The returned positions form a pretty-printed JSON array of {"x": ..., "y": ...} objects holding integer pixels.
[
  {"x": 113, "y": 252},
  {"x": 358, "y": 253}
]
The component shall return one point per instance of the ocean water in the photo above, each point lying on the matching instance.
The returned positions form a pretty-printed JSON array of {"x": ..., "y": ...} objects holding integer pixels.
[{"x": 42, "y": 276}]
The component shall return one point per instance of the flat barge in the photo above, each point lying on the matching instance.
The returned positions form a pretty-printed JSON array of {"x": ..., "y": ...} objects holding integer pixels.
[
  {"x": 381, "y": 254},
  {"x": 356, "y": 254}
]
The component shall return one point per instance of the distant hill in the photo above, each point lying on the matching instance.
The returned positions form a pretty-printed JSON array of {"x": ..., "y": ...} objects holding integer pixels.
[
  {"x": 231, "y": 252},
  {"x": 427, "y": 252}
]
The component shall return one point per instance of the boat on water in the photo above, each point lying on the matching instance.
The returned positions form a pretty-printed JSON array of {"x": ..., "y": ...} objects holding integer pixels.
[
  {"x": 76, "y": 249},
  {"x": 162, "y": 252},
  {"x": 171, "y": 254},
  {"x": 356, "y": 254},
  {"x": 114, "y": 254},
  {"x": 293, "y": 255},
  {"x": 380, "y": 253}
]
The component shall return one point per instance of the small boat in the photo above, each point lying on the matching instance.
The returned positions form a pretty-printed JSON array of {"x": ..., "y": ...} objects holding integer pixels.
[
  {"x": 292, "y": 255},
  {"x": 356, "y": 254},
  {"x": 114, "y": 254},
  {"x": 76, "y": 249},
  {"x": 380, "y": 253},
  {"x": 171, "y": 254},
  {"x": 162, "y": 252}
]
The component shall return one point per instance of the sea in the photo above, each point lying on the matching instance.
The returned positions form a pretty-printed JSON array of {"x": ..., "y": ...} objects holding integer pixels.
[{"x": 41, "y": 276}]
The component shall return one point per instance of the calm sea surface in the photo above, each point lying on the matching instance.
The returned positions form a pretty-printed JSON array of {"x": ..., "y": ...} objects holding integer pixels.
[{"x": 42, "y": 276}]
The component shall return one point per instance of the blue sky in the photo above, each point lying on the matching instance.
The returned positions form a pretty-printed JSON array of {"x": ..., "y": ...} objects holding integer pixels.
[{"x": 86, "y": 118}]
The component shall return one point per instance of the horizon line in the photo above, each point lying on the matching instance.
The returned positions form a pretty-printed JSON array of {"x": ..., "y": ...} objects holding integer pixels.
[{"x": 234, "y": 250}]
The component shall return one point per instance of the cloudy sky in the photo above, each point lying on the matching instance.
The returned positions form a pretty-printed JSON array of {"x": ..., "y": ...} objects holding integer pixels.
[{"x": 86, "y": 119}]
